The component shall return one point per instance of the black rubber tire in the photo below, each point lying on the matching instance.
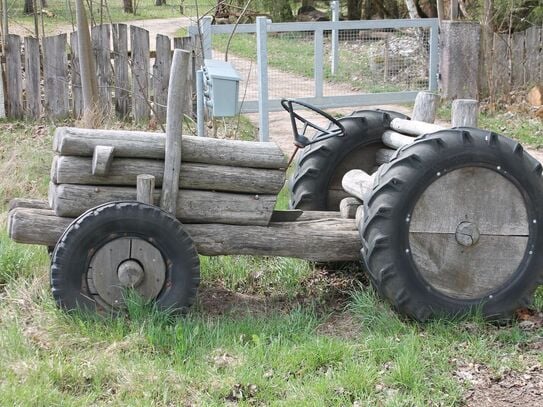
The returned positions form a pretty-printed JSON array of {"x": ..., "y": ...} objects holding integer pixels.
[
  {"x": 318, "y": 164},
  {"x": 104, "y": 223},
  {"x": 398, "y": 185}
]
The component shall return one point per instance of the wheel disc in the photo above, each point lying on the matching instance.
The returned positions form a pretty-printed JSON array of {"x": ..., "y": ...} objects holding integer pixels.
[
  {"x": 122, "y": 264},
  {"x": 469, "y": 232}
]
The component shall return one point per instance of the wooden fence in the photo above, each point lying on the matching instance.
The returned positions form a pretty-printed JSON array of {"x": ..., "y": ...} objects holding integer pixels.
[
  {"x": 133, "y": 82},
  {"x": 516, "y": 61}
]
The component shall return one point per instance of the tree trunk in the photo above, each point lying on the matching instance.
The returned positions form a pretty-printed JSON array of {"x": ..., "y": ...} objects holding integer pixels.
[
  {"x": 412, "y": 9},
  {"x": 354, "y": 9},
  {"x": 160, "y": 2},
  {"x": 29, "y": 7},
  {"x": 128, "y": 7}
]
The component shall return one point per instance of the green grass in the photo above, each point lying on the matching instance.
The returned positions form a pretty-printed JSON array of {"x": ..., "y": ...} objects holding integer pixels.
[
  {"x": 61, "y": 15},
  {"x": 264, "y": 331}
]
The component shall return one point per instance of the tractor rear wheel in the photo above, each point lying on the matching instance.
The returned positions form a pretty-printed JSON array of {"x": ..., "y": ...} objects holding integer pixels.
[{"x": 454, "y": 223}]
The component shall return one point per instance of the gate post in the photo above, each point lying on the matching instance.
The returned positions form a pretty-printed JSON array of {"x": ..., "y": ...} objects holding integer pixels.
[
  {"x": 205, "y": 31},
  {"x": 262, "y": 68},
  {"x": 334, "y": 5}
]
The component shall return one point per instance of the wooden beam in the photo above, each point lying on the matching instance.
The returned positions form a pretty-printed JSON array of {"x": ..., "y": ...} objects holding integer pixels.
[
  {"x": 357, "y": 183},
  {"x": 145, "y": 188},
  {"x": 425, "y": 107},
  {"x": 396, "y": 140},
  {"x": 413, "y": 128}
]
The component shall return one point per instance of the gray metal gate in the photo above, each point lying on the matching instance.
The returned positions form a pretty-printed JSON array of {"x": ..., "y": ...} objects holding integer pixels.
[{"x": 328, "y": 64}]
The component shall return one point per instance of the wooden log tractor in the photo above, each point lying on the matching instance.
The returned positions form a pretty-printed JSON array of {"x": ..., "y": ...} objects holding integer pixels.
[{"x": 449, "y": 222}]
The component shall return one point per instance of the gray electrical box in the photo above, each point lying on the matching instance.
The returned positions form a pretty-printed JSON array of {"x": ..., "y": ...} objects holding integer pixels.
[{"x": 221, "y": 88}]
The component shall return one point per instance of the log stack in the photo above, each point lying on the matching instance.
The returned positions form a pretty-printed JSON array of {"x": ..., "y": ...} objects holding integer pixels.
[{"x": 222, "y": 181}]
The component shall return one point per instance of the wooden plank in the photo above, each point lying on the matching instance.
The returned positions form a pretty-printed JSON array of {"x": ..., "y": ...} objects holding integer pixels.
[
  {"x": 192, "y": 205},
  {"x": 122, "y": 79},
  {"x": 139, "y": 40},
  {"x": 425, "y": 107},
  {"x": 145, "y": 188},
  {"x": 187, "y": 44},
  {"x": 331, "y": 239},
  {"x": 32, "y": 78},
  {"x": 28, "y": 203},
  {"x": 473, "y": 194},
  {"x": 501, "y": 75},
  {"x": 139, "y": 144},
  {"x": 124, "y": 172},
  {"x": 518, "y": 58},
  {"x": 466, "y": 272},
  {"x": 161, "y": 76},
  {"x": 465, "y": 113},
  {"x": 174, "y": 130},
  {"x": 77, "y": 91},
  {"x": 348, "y": 207},
  {"x": 413, "y": 128},
  {"x": 14, "y": 81},
  {"x": 533, "y": 60},
  {"x": 55, "y": 72},
  {"x": 358, "y": 184},
  {"x": 396, "y": 140},
  {"x": 101, "y": 160},
  {"x": 101, "y": 40}
]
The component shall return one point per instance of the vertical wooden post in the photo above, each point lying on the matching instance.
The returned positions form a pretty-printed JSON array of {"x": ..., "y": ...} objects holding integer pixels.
[
  {"x": 464, "y": 113},
  {"x": 161, "y": 76},
  {"x": 122, "y": 79},
  {"x": 101, "y": 38},
  {"x": 32, "y": 78},
  {"x": 139, "y": 40},
  {"x": 55, "y": 72},
  {"x": 174, "y": 129},
  {"x": 188, "y": 44},
  {"x": 77, "y": 95},
  {"x": 425, "y": 107},
  {"x": 145, "y": 188},
  {"x": 14, "y": 77}
]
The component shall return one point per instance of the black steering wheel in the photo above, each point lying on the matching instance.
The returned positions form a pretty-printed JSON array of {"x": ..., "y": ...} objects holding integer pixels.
[{"x": 300, "y": 139}]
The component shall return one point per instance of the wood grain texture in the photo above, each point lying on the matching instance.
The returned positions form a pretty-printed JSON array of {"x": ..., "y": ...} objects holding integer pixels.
[
  {"x": 518, "y": 56},
  {"x": 357, "y": 183},
  {"x": 501, "y": 73},
  {"x": 32, "y": 78},
  {"x": 174, "y": 130},
  {"x": 192, "y": 205},
  {"x": 348, "y": 207},
  {"x": 101, "y": 160},
  {"x": 145, "y": 188},
  {"x": 55, "y": 73},
  {"x": 331, "y": 239},
  {"x": 101, "y": 46},
  {"x": 161, "y": 76},
  {"x": 425, "y": 107},
  {"x": 139, "y": 40},
  {"x": 122, "y": 77},
  {"x": 75, "y": 73},
  {"x": 473, "y": 194},
  {"x": 465, "y": 113},
  {"x": 124, "y": 171},
  {"x": 14, "y": 80},
  {"x": 413, "y": 128},
  {"x": 187, "y": 44},
  {"x": 138, "y": 144},
  {"x": 395, "y": 140}
]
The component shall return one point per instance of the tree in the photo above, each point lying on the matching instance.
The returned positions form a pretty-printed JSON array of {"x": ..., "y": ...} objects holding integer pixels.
[
  {"x": 29, "y": 7},
  {"x": 128, "y": 7}
]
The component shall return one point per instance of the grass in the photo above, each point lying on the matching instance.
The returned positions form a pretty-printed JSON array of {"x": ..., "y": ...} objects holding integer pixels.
[
  {"x": 265, "y": 331},
  {"x": 61, "y": 13}
]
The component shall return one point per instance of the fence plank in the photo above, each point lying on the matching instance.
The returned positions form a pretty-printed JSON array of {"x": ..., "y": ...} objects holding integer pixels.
[
  {"x": 139, "y": 40},
  {"x": 55, "y": 72},
  {"x": 161, "y": 76},
  {"x": 500, "y": 65},
  {"x": 77, "y": 91},
  {"x": 32, "y": 78},
  {"x": 518, "y": 59},
  {"x": 122, "y": 79},
  {"x": 101, "y": 38},
  {"x": 14, "y": 79},
  {"x": 533, "y": 60},
  {"x": 187, "y": 43}
]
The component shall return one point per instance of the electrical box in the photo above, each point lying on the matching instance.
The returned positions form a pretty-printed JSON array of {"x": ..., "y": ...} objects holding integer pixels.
[{"x": 221, "y": 88}]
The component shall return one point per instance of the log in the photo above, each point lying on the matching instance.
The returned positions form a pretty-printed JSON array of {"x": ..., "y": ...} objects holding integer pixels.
[
  {"x": 101, "y": 160},
  {"x": 396, "y": 140},
  {"x": 174, "y": 130},
  {"x": 330, "y": 239},
  {"x": 192, "y": 206},
  {"x": 145, "y": 188},
  {"x": 384, "y": 155},
  {"x": 425, "y": 107},
  {"x": 359, "y": 216},
  {"x": 413, "y": 128},
  {"x": 357, "y": 183},
  {"x": 28, "y": 203},
  {"x": 465, "y": 113},
  {"x": 124, "y": 171},
  {"x": 139, "y": 144},
  {"x": 348, "y": 207}
]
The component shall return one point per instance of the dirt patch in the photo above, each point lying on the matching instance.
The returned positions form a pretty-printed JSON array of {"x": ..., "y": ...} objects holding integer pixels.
[{"x": 342, "y": 325}]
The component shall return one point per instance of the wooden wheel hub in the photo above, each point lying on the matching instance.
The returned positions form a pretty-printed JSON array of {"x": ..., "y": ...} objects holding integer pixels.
[
  {"x": 468, "y": 232},
  {"x": 126, "y": 263}
]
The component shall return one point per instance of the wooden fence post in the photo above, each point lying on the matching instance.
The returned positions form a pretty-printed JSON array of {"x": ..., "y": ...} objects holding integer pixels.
[
  {"x": 122, "y": 79},
  {"x": 32, "y": 78},
  {"x": 14, "y": 77},
  {"x": 139, "y": 40},
  {"x": 174, "y": 130},
  {"x": 161, "y": 76},
  {"x": 464, "y": 113},
  {"x": 77, "y": 92},
  {"x": 55, "y": 72},
  {"x": 101, "y": 36}
]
